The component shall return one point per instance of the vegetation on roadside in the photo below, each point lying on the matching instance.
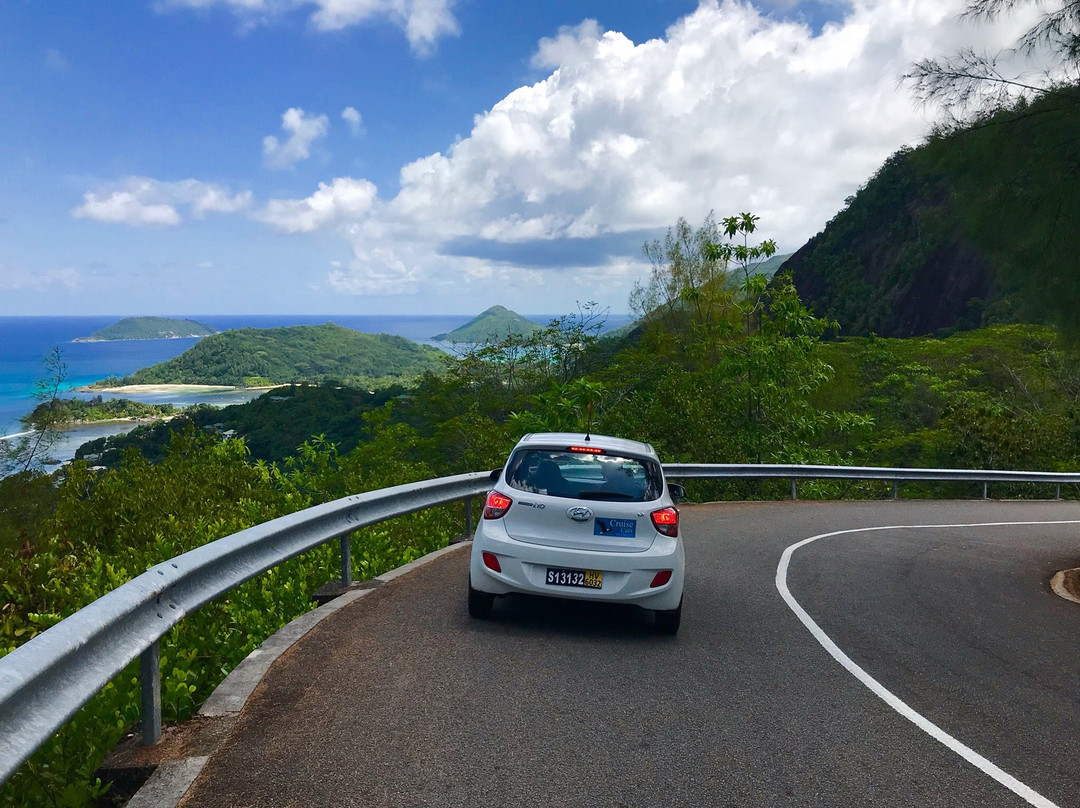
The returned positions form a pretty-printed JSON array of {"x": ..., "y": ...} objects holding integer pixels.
[{"x": 712, "y": 372}]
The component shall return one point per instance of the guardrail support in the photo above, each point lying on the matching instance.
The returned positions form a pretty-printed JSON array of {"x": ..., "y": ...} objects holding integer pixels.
[
  {"x": 346, "y": 560},
  {"x": 150, "y": 679},
  {"x": 468, "y": 517},
  {"x": 895, "y": 489},
  {"x": 794, "y": 493},
  {"x": 986, "y": 490},
  {"x": 1058, "y": 494}
]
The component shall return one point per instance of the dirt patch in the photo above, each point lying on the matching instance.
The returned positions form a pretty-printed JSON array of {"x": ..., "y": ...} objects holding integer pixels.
[{"x": 1067, "y": 584}]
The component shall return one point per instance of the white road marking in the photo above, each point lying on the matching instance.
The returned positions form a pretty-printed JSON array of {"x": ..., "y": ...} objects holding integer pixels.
[{"x": 879, "y": 690}]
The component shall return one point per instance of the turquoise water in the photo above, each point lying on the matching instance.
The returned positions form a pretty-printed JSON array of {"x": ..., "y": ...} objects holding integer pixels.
[{"x": 25, "y": 341}]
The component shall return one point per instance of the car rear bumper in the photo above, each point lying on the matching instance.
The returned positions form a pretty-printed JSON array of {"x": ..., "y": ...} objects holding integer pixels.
[{"x": 626, "y": 576}]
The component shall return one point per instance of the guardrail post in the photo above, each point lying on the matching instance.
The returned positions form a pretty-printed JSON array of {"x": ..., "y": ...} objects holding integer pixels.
[
  {"x": 346, "y": 560},
  {"x": 895, "y": 489},
  {"x": 468, "y": 516},
  {"x": 150, "y": 679},
  {"x": 1058, "y": 494},
  {"x": 794, "y": 493},
  {"x": 986, "y": 490}
]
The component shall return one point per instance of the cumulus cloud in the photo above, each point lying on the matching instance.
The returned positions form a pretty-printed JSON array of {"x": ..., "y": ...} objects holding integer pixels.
[
  {"x": 302, "y": 130},
  {"x": 341, "y": 201},
  {"x": 732, "y": 110},
  {"x": 353, "y": 120},
  {"x": 423, "y": 21},
  {"x": 15, "y": 278},
  {"x": 145, "y": 201}
]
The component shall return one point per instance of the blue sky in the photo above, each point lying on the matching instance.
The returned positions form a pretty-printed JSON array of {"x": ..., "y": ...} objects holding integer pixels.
[{"x": 423, "y": 156}]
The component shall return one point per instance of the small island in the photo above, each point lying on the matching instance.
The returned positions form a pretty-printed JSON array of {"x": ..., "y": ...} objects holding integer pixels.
[
  {"x": 149, "y": 328},
  {"x": 266, "y": 357},
  {"x": 493, "y": 324}
]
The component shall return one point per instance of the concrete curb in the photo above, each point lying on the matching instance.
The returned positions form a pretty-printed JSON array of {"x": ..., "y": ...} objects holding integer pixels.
[
  {"x": 1066, "y": 584},
  {"x": 172, "y": 779}
]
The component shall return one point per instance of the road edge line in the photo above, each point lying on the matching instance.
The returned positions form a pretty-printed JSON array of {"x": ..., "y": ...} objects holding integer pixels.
[{"x": 933, "y": 730}]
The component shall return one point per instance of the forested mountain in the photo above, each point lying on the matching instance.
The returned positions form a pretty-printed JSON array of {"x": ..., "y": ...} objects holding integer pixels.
[
  {"x": 303, "y": 353},
  {"x": 973, "y": 228},
  {"x": 149, "y": 328},
  {"x": 495, "y": 323}
]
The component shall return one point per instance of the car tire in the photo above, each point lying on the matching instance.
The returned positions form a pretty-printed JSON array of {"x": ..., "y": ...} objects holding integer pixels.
[
  {"x": 480, "y": 603},
  {"x": 667, "y": 620}
]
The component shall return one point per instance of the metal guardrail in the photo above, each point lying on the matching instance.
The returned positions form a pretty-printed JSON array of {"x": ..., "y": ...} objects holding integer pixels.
[
  {"x": 46, "y": 680},
  {"x": 794, "y": 472}
]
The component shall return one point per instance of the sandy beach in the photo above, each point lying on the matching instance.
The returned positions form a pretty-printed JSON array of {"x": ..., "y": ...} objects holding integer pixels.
[{"x": 149, "y": 389}]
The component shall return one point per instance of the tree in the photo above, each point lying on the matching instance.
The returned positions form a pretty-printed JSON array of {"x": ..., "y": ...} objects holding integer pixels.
[
  {"x": 686, "y": 291},
  {"x": 970, "y": 84},
  {"x": 43, "y": 424}
]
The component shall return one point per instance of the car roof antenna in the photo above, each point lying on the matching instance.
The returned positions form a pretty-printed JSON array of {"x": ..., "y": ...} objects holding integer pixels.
[{"x": 588, "y": 425}]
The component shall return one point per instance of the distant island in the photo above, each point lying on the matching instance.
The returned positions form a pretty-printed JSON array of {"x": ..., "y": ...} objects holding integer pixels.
[
  {"x": 262, "y": 357},
  {"x": 149, "y": 328},
  {"x": 494, "y": 323}
]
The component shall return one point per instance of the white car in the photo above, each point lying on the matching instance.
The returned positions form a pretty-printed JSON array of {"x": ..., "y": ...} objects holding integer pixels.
[{"x": 581, "y": 516}]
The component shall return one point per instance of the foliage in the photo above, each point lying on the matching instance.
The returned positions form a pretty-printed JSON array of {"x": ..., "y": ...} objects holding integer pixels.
[
  {"x": 970, "y": 84},
  {"x": 150, "y": 328},
  {"x": 110, "y": 526},
  {"x": 43, "y": 425},
  {"x": 302, "y": 353},
  {"x": 1013, "y": 192},
  {"x": 77, "y": 410},
  {"x": 686, "y": 291}
]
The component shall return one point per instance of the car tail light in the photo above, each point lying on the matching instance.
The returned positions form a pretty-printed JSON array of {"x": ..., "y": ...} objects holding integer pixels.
[
  {"x": 492, "y": 562},
  {"x": 497, "y": 505},
  {"x": 660, "y": 578},
  {"x": 666, "y": 521},
  {"x": 585, "y": 449}
]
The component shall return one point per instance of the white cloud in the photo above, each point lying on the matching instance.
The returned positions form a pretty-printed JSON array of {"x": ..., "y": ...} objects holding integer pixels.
[
  {"x": 353, "y": 120},
  {"x": 341, "y": 201},
  {"x": 732, "y": 110},
  {"x": 14, "y": 279},
  {"x": 146, "y": 201},
  {"x": 303, "y": 130},
  {"x": 423, "y": 21}
]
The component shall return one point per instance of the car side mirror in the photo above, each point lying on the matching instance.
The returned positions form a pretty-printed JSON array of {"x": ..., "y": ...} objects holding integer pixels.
[
  {"x": 494, "y": 476},
  {"x": 678, "y": 493}
]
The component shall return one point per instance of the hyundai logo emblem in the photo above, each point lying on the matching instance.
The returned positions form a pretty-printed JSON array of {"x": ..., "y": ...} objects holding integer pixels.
[{"x": 579, "y": 514}]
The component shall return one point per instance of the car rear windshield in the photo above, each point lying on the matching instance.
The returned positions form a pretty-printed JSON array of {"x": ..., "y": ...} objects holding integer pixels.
[{"x": 581, "y": 475}]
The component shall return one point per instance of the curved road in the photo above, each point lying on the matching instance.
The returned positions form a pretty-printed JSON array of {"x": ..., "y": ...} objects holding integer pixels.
[{"x": 400, "y": 699}]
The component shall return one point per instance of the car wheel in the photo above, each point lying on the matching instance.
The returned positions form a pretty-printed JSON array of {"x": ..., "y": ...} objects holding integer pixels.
[
  {"x": 667, "y": 620},
  {"x": 480, "y": 603}
]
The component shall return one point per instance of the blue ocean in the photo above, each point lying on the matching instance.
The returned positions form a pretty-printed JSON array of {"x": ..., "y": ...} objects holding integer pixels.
[{"x": 25, "y": 342}]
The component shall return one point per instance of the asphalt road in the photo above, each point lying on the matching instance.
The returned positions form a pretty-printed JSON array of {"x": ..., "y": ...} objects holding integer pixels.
[{"x": 401, "y": 700}]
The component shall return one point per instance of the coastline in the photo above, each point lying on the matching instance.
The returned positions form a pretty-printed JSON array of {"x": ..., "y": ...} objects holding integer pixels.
[{"x": 149, "y": 389}]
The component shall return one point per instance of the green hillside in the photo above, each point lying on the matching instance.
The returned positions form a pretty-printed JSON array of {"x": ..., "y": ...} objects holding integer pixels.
[
  {"x": 303, "y": 353},
  {"x": 149, "y": 328},
  {"x": 495, "y": 323},
  {"x": 975, "y": 227}
]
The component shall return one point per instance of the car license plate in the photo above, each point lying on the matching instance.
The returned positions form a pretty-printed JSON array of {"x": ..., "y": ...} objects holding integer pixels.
[
  {"x": 616, "y": 528},
  {"x": 589, "y": 579}
]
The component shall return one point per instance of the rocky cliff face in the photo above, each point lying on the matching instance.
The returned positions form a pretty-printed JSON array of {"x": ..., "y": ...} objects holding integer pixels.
[{"x": 892, "y": 264}]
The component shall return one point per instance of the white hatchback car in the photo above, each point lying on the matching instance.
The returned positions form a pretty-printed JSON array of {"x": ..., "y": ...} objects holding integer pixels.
[{"x": 581, "y": 516}]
